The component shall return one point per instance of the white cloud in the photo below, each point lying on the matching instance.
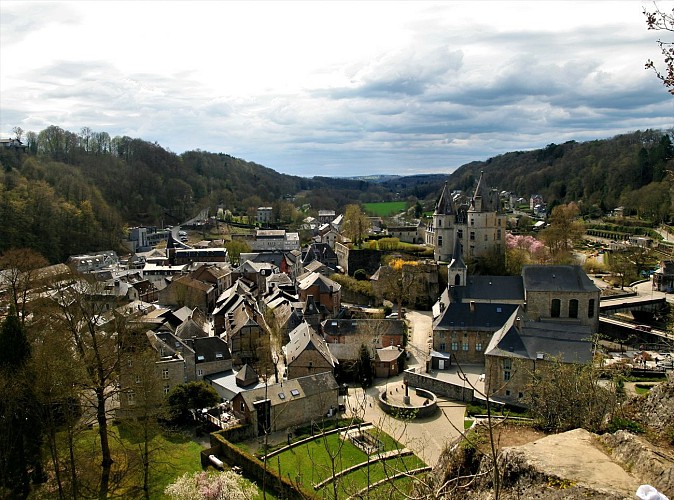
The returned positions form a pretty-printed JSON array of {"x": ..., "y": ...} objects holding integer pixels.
[{"x": 333, "y": 88}]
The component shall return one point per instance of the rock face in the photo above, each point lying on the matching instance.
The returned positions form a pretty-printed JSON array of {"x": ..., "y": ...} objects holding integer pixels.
[
  {"x": 571, "y": 465},
  {"x": 653, "y": 465},
  {"x": 657, "y": 410}
]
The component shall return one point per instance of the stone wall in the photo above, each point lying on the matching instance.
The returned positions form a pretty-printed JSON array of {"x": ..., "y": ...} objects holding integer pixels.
[{"x": 439, "y": 387}]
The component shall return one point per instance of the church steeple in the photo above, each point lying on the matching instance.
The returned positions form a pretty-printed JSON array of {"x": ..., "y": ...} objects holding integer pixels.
[{"x": 457, "y": 270}]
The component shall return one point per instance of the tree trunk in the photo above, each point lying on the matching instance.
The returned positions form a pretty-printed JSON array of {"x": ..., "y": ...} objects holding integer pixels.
[{"x": 106, "y": 462}]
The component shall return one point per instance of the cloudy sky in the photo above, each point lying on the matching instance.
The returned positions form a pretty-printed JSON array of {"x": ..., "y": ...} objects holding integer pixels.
[{"x": 343, "y": 88}]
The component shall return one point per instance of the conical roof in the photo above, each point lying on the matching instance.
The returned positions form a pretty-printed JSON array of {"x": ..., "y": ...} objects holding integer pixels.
[{"x": 445, "y": 205}]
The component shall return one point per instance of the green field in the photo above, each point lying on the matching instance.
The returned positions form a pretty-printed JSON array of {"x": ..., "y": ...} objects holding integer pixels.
[
  {"x": 385, "y": 208},
  {"x": 316, "y": 460}
]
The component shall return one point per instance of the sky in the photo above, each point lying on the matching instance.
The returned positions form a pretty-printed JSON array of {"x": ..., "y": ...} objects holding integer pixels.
[{"x": 334, "y": 88}]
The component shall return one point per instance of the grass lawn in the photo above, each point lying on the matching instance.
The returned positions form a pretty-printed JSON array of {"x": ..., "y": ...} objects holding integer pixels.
[
  {"x": 172, "y": 455},
  {"x": 385, "y": 208},
  {"x": 642, "y": 388},
  {"x": 310, "y": 463}
]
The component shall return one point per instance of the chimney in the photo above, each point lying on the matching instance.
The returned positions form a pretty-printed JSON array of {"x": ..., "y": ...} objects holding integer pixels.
[{"x": 517, "y": 321}]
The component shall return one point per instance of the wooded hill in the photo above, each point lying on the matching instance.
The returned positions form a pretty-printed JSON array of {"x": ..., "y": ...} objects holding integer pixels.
[
  {"x": 75, "y": 192},
  {"x": 628, "y": 170}
]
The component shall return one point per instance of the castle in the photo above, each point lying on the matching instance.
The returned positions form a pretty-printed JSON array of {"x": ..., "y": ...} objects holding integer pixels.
[{"x": 479, "y": 224}]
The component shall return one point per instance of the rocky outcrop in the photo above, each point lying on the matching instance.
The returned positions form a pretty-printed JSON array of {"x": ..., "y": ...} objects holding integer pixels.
[
  {"x": 654, "y": 466},
  {"x": 657, "y": 410}
]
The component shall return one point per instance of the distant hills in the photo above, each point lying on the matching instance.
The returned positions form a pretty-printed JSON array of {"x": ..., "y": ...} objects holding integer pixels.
[{"x": 75, "y": 192}]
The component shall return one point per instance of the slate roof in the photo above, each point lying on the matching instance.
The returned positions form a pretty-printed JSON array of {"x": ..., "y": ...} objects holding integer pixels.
[
  {"x": 489, "y": 288},
  {"x": 246, "y": 376},
  {"x": 211, "y": 348},
  {"x": 482, "y": 316},
  {"x": 305, "y": 338},
  {"x": 291, "y": 390},
  {"x": 536, "y": 340},
  {"x": 445, "y": 205},
  {"x": 556, "y": 279},
  {"x": 325, "y": 284},
  {"x": 336, "y": 327},
  {"x": 189, "y": 329},
  {"x": 388, "y": 354}
]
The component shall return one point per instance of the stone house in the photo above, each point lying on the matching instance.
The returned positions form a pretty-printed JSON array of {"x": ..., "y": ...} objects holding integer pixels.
[
  {"x": 463, "y": 331},
  {"x": 220, "y": 276},
  {"x": 287, "y": 404},
  {"x": 244, "y": 331},
  {"x": 372, "y": 332},
  {"x": 324, "y": 291},
  {"x": 389, "y": 361},
  {"x": 561, "y": 294},
  {"x": 188, "y": 291},
  {"x": 522, "y": 349},
  {"x": 663, "y": 278},
  {"x": 307, "y": 353}
]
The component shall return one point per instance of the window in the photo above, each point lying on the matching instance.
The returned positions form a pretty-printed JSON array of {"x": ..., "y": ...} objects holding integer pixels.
[
  {"x": 555, "y": 307},
  {"x": 520, "y": 395},
  {"x": 439, "y": 241},
  {"x": 506, "y": 375},
  {"x": 167, "y": 389},
  {"x": 200, "y": 357},
  {"x": 138, "y": 379},
  {"x": 200, "y": 372},
  {"x": 472, "y": 222},
  {"x": 478, "y": 347},
  {"x": 472, "y": 235},
  {"x": 465, "y": 346},
  {"x": 439, "y": 222},
  {"x": 165, "y": 374},
  {"x": 442, "y": 346},
  {"x": 498, "y": 223},
  {"x": 130, "y": 362},
  {"x": 507, "y": 393},
  {"x": 573, "y": 308},
  {"x": 130, "y": 397},
  {"x": 590, "y": 309},
  {"x": 455, "y": 346},
  {"x": 485, "y": 237},
  {"x": 507, "y": 364},
  {"x": 281, "y": 396},
  {"x": 294, "y": 392},
  {"x": 498, "y": 233},
  {"x": 459, "y": 233}
]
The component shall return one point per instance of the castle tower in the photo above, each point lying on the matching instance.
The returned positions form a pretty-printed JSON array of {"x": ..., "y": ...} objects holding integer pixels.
[{"x": 444, "y": 218}]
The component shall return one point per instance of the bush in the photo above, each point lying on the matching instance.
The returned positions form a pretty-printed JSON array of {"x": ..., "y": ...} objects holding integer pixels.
[
  {"x": 360, "y": 275},
  {"x": 619, "y": 423}
]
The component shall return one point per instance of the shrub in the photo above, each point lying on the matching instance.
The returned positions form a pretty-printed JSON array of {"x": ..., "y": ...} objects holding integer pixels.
[{"x": 619, "y": 423}]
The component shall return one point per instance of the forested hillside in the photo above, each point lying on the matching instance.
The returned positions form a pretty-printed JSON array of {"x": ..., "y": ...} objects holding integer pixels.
[
  {"x": 75, "y": 192},
  {"x": 629, "y": 170}
]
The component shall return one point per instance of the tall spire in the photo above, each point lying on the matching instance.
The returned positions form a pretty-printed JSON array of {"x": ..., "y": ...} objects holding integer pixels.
[
  {"x": 484, "y": 199},
  {"x": 445, "y": 205}
]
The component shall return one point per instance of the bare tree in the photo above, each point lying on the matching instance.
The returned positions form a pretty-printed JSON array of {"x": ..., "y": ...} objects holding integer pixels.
[
  {"x": 662, "y": 21},
  {"x": 83, "y": 313}
]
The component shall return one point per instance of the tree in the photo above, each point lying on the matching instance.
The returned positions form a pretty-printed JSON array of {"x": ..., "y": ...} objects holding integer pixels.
[
  {"x": 234, "y": 250},
  {"x": 210, "y": 486},
  {"x": 563, "y": 231},
  {"x": 563, "y": 396},
  {"x": 21, "y": 275},
  {"x": 191, "y": 396},
  {"x": 400, "y": 282},
  {"x": 662, "y": 21},
  {"x": 20, "y": 426},
  {"x": 356, "y": 224},
  {"x": 94, "y": 338}
]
